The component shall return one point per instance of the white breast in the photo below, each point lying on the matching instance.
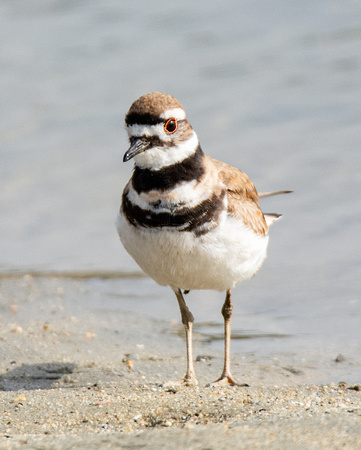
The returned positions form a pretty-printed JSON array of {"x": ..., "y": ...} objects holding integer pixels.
[{"x": 217, "y": 260}]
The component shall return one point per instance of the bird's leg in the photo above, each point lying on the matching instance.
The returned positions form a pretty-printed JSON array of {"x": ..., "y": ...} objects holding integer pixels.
[
  {"x": 226, "y": 377},
  {"x": 187, "y": 320}
]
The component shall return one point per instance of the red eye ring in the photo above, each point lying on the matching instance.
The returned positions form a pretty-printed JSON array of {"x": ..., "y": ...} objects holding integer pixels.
[{"x": 171, "y": 126}]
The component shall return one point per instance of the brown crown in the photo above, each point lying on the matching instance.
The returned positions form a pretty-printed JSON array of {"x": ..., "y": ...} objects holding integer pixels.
[{"x": 154, "y": 103}]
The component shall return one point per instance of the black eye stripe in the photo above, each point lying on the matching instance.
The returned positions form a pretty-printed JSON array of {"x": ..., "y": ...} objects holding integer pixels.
[
  {"x": 142, "y": 119},
  {"x": 147, "y": 119}
]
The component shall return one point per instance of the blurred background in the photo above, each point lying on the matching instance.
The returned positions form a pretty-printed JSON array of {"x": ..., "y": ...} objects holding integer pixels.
[{"x": 273, "y": 88}]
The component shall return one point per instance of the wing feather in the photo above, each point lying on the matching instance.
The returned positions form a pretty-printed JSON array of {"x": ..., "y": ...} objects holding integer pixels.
[
  {"x": 242, "y": 196},
  {"x": 270, "y": 194}
]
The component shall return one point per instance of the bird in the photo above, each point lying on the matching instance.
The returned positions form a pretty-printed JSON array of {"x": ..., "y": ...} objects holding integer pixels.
[{"x": 189, "y": 221}]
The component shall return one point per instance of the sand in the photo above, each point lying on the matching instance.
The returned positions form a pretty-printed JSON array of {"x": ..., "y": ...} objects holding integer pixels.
[{"x": 84, "y": 377}]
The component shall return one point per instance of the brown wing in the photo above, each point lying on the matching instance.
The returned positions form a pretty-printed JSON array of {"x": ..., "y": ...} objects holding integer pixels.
[{"x": 242, "y": 197}]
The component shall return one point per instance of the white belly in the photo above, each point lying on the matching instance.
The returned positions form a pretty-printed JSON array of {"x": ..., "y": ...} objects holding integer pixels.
[{"x": 217, "y": 260}]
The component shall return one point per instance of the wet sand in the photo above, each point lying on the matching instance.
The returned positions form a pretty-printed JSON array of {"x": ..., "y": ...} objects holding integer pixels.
[{"x": 84, "y": 377}]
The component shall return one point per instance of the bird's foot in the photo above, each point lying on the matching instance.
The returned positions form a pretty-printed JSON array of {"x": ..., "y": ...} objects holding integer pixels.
[
  {"x": 227, "y": 380},
  {"x": 188, "y": 380}
]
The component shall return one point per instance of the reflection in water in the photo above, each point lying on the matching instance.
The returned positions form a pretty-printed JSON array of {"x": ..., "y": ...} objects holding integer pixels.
[{"x": 208, "y": 332}]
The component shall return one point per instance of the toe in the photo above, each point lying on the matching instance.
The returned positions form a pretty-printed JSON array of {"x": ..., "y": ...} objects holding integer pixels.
[{"x": 227, "y": 380}]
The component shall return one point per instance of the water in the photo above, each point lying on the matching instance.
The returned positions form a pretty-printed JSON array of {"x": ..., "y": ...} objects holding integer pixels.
[{"x": 270, "y": 87}]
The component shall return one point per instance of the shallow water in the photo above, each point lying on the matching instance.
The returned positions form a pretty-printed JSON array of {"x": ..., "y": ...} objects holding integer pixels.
[{"x": 270, "y": 87}]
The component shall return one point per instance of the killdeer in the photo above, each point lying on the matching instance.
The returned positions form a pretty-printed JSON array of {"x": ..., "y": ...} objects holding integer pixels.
[{"x": 188, "y": 220}]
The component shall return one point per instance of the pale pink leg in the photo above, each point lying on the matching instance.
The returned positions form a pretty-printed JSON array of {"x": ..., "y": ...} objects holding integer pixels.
[
  {"x": 187, "y": 320},
  {"x": 226, "y": 377}
]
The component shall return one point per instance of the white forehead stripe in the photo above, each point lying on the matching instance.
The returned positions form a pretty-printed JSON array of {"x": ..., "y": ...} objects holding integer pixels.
[
  {"x": 176, "y": 113},
  {"x": 145, "y": 130},
  {"x": 158, "y": 129}
]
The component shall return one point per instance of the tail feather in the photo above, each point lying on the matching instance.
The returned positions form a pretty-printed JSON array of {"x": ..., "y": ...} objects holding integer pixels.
[
  {"x": 270, "y": 194},
  {"x": 271, "y": 217}
]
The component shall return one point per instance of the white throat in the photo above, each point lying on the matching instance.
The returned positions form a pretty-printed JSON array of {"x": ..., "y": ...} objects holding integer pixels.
[{"x": 156, "y": 158}]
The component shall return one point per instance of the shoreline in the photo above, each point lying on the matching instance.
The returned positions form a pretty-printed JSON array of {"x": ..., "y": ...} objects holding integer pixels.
[{"x": 74, "y": 376}]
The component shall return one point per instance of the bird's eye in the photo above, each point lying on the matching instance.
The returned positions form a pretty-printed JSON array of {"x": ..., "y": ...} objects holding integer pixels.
[{"x": 171, "y": 126}]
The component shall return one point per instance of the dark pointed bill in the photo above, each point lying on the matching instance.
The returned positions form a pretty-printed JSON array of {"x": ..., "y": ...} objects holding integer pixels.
[{"x": 137, "y": 147}]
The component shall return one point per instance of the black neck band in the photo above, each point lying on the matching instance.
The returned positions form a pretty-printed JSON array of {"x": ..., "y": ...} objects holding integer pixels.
[{"x": 191, "y": 168}]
